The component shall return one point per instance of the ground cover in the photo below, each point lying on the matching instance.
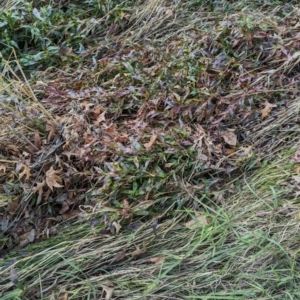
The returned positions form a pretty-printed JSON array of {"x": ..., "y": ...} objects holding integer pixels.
[{"x": 149, "y": 150}]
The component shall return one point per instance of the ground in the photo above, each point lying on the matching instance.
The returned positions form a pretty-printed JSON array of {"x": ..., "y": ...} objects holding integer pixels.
[{"x": 149, "y": 150}]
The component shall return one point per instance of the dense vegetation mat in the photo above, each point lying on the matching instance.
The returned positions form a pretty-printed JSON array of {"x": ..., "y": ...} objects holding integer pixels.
[
  {"x": 247, "y": 249},
  {"x": 149, "y": 149}
]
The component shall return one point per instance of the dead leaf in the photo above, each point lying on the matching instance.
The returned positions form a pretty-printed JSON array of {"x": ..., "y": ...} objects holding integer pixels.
[
  {"x": 138, "y": 251},
  {"x": 51, "y": 127},
  {"x": 39, "y": 188},
  {"x": 122, "y": 15},
  {"x": 100, "y": 118},
  {"x": 117, "y": 226},
  {"x": 267, "y": 109},
  {"x": 229, "y": 137},
  {"x": 65, "y": 207},
  {"x": 63, "y": 297},
  {"x": 65, "y": 51},
  {"x": 149, "y": 145},
  {"x": 52, "y": 178},
  {"x": 156, "y": 260},
  {"x": 71, "y": 214},
  {"x": 200, "y": 220},
  {"x": 69, "y": 154},
  {"x": 218, "y": 197},
  {"x": 296, "y": 169},
  {"x": 31, "y": 235},
  {"x": 169, "y": 12},
  {"x": 109, "y": 292},
  {"x": 145, "y": 204},
  {"x": 261, "y": 214},
  {"x": 154, "y": 226},
  {"x": 297, "y": 215},
  {"x": 119, "y": 256},
  {"x": 3, "y": 168},
  {"x": 27, "y": 237},
  {"x": 245, "y": 152},
  {"x": 296, "y": 157},
  {"x": 296, "y": 178},
  {"x": 26, "y": 171},
  {"x": 37, "y": 140},
  {"x": 97, "y": 110},
  {"x": 13, "y": 276},
  {"x": 125, "y": 212},
  {"x": 13, "y": 205}
]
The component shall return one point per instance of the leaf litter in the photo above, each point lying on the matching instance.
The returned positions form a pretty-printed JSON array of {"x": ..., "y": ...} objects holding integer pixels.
[
  {"x": 125, "y": 137},
  {"x": 102, "y": 120}
]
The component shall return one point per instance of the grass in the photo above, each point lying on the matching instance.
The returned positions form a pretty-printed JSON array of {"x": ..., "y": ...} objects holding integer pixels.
[
  {"x": 146, "y": 150},
  {"x": 239, "y": 254}
]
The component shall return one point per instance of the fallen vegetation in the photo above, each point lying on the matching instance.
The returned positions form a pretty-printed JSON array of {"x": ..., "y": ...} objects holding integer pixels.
[{"x": 149, "y": 150}]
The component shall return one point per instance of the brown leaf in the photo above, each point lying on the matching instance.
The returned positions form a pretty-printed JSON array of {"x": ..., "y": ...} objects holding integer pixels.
[
  {"x": 52, "y": 178},
  {"x": 296, "y": 157},
  {"x": 156, "y": 259},
  {"x": 125, "y": 212},
  {"x": 120, "y": 256},
  {"x": 117, "y": 226},
  {"x": 27, "y": 237},
  {"x": 2, "y": 168},
  {"x": 39, "y": 188},
  {"x": 149, "y": 145},
  {"x": 100, "y": 118},
  {"x": 71, "y": 214},
  {"x": 109, "y": 292},
  {"x": 169, "y": 12},
  {"x": 13, "y": 205},
  {"x": 26, "y": 171},
  {"x": 97, "y": 111},
  {"x": 65, "y": 207},
  {"x": 245, "y": 151},
  {"x": 201, "y": 220},
  {"x": 37, "y": 140},
  {"x": 69, "y": 154},
  {"x": 138, "y": 251},
  {"x": 229, "y": 137},
  {"x": 63, "y": 296},
  {"x": 261, "y": 214},
  {"x": 267, "y": 109}
]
